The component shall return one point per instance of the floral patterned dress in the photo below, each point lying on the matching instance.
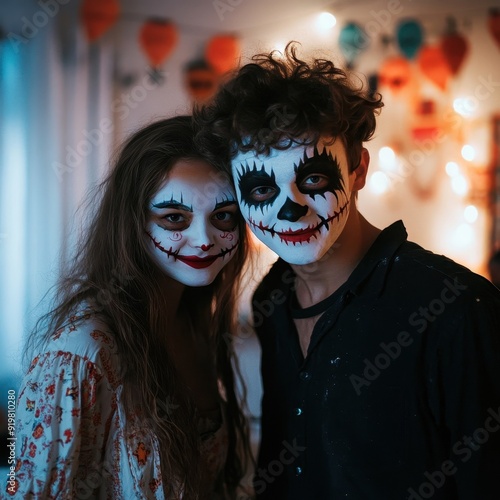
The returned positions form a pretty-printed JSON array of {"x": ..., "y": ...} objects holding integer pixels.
[{"x": 72, "y": 441}]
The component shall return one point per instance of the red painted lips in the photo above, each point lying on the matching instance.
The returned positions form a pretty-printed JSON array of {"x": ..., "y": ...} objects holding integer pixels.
[{"x": 197, "y": 262}]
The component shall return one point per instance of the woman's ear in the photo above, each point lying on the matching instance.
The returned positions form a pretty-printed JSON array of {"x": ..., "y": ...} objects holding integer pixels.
[{"x": 361, "y": 171}]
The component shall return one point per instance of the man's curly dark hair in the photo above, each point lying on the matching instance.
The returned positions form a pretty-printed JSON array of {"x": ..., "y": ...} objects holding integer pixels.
[{"x": 277, "y": 101}]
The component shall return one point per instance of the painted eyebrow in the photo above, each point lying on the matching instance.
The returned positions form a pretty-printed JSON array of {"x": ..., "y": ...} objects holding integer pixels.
[
  {"x": 173, "y": 204},
  {"x": 316, "y": 157},
  {"x": 226, "y": 203}
]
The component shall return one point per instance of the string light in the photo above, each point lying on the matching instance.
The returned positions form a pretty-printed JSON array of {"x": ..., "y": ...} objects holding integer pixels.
[
  {"x": 379, "y": 183},
  {"x": 387, "y": 158},
  {"x": 468, "y": 152},
  {"x": 459, "y": 185},
  {"x": 452, "y": 168},
  {"x": 470, "y": 214},
  {"x": 326, "y": 21}
]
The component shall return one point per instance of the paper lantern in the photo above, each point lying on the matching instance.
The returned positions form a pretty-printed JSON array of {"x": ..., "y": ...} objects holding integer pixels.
[
  {"x": 157, "y": 39},
  {"x": 454, "y": 47},
  {"x": 494, "y": 24},
  {"x": 223, "y": 52},
  {"x": 434, "y": 66},
  {"x": 352, "y": 42},
  {"x": 200, "y": 80},
  {"x": 409, "y": 37},
  {"x": 98, "y": 16},
  {"x": 395, "y": 73}
]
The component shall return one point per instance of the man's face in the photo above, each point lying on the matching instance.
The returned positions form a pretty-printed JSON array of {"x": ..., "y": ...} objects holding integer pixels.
[
  {"x": 193, "y": 224},
  {"x": 295, "y": 201}
]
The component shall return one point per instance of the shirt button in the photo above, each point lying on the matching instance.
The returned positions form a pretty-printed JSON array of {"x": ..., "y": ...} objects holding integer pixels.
[
  {"x": 298, "y": 471},
  {"x": 304, "y": 375},
  {"x": 298, "y": 411},
  {"x": 335, "y": 362}
]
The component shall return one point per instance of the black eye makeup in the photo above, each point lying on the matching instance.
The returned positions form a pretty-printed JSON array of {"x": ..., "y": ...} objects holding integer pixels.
[
  {"x": 257, "y": 187},
  {"x": 173, "y": 215},
  {"x": 225, "y": 216},
  {"x": 319, "y": 174}
]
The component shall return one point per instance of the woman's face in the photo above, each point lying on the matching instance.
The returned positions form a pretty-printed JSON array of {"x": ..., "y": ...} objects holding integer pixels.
[{"x": 192, "y": 227}]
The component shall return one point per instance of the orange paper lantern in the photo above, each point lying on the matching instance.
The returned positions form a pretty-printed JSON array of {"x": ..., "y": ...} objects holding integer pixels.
[
  {"x": 454, "y": 47},
  {"x": 157, "y": 39},
  {"x": 98, "y": 16},
  {"x": 222, "y": 52},
  {"x": 201, "y": 80},
  {"x": 395, "y": 73},
  {"x": 494, "y": 24},
  {"x": 434, "y": 66}
]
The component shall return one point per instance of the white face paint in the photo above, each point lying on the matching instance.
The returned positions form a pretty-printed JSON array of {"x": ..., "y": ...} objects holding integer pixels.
[
  {"x": 193, "y": 223},
  {"x": 295, "y": 201}
]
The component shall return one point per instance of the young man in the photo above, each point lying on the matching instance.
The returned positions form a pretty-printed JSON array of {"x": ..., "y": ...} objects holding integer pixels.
[{"x": 380, "y": 360}]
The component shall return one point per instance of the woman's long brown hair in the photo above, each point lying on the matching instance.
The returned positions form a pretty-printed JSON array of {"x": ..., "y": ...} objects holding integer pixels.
[{"x": 111, "y": 268}]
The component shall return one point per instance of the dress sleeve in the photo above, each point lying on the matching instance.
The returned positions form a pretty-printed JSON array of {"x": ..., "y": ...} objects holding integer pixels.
[
  {"x": 63, "y": 412},
  {"x": 469, "y": 379}
]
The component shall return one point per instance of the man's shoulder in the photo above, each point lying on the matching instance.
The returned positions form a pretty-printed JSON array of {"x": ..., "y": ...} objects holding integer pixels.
[{"x": 427, "y": 270}]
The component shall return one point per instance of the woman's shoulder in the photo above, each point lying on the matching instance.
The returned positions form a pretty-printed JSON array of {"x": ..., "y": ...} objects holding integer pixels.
[{"x": 86, "y": 334}]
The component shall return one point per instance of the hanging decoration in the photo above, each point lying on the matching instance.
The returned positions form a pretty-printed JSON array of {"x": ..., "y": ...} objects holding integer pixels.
[
  {"x": 352, "y": 42},
  {"x": 98, "y": 16},
  {"x": 223, "y": 52},
  {"x": 494, "y": 24},
  {"x": 200, "y": 80},
  {"x": 395, "y": 73},
  {"x": 454, "y": 47},
  {"x": 409, "y": 37},
  {"x": 157, "y": 39},
  {"x": 434, "y": 66}
]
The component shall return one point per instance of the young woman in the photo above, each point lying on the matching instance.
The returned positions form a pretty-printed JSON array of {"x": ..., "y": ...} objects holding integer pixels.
[{"x": 131, "y": 392}]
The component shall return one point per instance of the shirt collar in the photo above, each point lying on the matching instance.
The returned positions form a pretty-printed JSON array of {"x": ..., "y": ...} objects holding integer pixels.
[{"x": 377, "y": 261}]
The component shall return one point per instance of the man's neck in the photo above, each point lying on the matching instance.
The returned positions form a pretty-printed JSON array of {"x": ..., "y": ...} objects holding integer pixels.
[{"x": 316, "y": 281}]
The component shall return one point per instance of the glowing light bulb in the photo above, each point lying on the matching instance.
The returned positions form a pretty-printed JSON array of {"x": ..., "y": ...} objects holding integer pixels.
[
  {"x": 326, "y": 21},
  {"x": 459, "y": 185},
  {"x": 463, "y": 106},
  {"x": 468, "y": 152},
  {"x": 470, "y": 213},
  {"x": 452, "y": 168},
  {"x": 379, "y": 183},
  {"x": 387, "y": 158}
]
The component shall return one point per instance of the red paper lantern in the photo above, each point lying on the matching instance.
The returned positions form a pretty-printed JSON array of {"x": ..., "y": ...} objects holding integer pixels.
[
  {"x": 494, "y": 24},
  {"x": 157, "y": 39},
  {"x": 434, "y": 66},
  {"x": 454, "y": 47},
  {"x": 395, "y": 73},
  {"x": 222, "y": 52},
  {"x": 98, "y": 16}
]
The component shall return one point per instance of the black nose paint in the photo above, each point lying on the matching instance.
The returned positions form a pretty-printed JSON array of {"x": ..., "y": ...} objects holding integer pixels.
[{"x": 291, "y": 211}]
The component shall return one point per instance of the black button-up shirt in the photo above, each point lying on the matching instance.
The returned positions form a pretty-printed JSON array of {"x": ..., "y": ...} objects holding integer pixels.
[{"x": 399, "y": 394}]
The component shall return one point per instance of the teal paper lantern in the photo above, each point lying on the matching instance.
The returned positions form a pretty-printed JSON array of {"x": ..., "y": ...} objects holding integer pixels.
[
  {"x": 352, "y": 41},
  {"x": 409, "y": 36}
]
